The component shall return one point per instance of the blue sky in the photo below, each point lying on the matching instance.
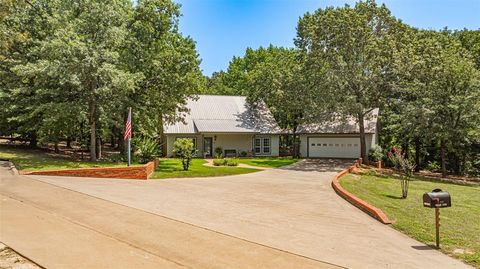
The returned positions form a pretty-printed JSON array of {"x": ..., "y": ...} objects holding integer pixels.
[{"x": 225, "y": 28}]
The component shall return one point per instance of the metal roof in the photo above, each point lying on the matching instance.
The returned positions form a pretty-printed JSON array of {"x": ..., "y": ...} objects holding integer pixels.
[
  {"x": 224, "y": 114},
  {"x": 347, "y": 126}
]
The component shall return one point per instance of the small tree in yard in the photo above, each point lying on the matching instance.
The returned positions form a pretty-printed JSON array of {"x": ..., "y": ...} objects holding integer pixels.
[
  {"x": 184, "y": 149},
  {"x": 404, "y": 166}
]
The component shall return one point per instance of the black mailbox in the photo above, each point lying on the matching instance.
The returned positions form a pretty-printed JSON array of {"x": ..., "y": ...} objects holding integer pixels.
[{"x": 437, "y": 199}]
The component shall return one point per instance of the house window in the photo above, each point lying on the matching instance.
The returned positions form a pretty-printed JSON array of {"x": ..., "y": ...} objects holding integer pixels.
[
  {"x": 336, "y": 145},
  {"x": 262, "y": 145},
  {"x": 313, "y": 144},
  {"x": 257, "y": 146},
  {"x": 324, "y": 145},
  {"x": 266, "y": 145},
  {"x": 356, "y": 145}
]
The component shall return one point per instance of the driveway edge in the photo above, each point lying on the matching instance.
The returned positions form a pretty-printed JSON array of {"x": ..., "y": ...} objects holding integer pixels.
[{"x": 362, "y": 205}]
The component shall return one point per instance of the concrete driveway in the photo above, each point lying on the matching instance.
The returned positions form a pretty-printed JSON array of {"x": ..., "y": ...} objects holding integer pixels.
[{"x": 279, "y": 218}]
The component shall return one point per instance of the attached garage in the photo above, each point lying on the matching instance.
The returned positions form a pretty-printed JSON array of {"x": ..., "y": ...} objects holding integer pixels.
[
  {"x": 333, "y": 147},
  {"x": 337, "y": 139}
]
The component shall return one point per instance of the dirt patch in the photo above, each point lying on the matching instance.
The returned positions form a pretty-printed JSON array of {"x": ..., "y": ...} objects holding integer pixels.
[{"x": 9, "y": 259}]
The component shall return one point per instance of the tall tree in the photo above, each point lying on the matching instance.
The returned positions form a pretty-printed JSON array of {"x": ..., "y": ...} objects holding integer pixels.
[
  {"x": 168, "y": 64},
  {"x": 272, "y": 75},
  {"x": 349, "y": 53},
  {"x": 79, "y": 64}
]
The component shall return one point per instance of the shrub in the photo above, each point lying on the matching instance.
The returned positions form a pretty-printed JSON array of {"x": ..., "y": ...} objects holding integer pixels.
[
  {"x": 219, "y": 162},
  {"x": 218, "y": 152},
  {"x": 231, "y": 162},
  {"x": 147, "y": 150},
  {"x": 376, "y": 153},
  {"x": 184, "y": 149},
  {"x": 433, "y": 166},
  {"x": 243, "y": 154},
  {"x": 404, "y": 166}
]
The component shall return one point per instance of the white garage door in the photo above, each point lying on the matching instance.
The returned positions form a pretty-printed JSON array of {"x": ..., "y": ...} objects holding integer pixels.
[{"x": 334, "y": 147}]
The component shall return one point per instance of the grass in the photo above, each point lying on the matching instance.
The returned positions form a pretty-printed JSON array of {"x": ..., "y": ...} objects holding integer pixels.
[
  {"x": 35, "y": 160},
  {"x": 460, "y": 224},
  {"x": 272, "y": 162},
  {"x": 172, "y": 168}
]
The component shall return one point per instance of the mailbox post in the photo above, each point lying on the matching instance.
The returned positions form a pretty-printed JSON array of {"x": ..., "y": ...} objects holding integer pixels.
[{"x": 437, "y": 199}]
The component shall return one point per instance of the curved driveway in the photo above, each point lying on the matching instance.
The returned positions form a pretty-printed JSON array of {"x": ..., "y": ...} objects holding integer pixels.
[{"x": 293, "y": 210}]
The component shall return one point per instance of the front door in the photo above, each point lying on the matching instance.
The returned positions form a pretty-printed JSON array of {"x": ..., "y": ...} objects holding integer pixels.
[{"x": 207, "y": 146}]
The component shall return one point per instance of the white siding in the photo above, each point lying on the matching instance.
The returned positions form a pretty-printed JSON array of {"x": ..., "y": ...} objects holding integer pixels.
[{"x": 239, "y": 142}]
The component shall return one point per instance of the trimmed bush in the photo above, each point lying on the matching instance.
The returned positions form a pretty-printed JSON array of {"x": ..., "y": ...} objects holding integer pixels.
[
  {"x": 147, "y": 150},
  {"x": 231, "y": 162},
  {"x": 218, "y": 162}
]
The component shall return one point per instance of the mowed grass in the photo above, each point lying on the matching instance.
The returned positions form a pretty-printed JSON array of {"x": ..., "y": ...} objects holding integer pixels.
[
  {"x": 35, "y": 160},
  {"x": 460, "y": 224},
  {"x": 268, "y": 161},
  {"x": 172, "y": 168}
]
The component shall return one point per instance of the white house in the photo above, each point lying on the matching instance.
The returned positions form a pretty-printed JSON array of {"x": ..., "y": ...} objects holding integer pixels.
[
  {"x": 229, "y": 123},
  {"x": 339, "y": 139}
]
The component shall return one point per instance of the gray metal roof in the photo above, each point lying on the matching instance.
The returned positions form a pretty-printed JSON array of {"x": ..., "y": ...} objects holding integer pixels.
[
  {"x": 347, "y": 126},
  {"x": 224, "y": 114}
]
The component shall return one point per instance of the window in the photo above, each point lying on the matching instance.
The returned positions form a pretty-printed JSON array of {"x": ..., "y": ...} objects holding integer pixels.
[
  {"x": 356, "y": 145},
  {"x": 324, "y": 145},
  {"x": 313, "y": 144},
  {"x": 330, "y": 145},
  {"x": 257, "y": 147},
  {"x": 349, "y": 145},
  {"x": 266, "y": 145},
  {"x": 319, "y": 145},
  {"x": 263, "y": 145},
  {"x": 336, "y": 145}
]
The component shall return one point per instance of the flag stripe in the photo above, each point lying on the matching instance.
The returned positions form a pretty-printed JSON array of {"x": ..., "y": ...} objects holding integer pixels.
[{"x": 128, "y": 126}]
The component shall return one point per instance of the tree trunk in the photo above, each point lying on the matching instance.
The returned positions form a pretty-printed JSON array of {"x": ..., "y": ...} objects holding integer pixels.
[
  {"x": 99, "y": 148},
  {"x": 56, "y": 149},
  {"x": 363, "y": 145},
  {"x": 33, "y": 141},
  {"x": 405, "y": 149},
  {"x": 417, "y": 154},
  {"x": 93, "y": 132},
  {"x": 443, "y": 158},
  {"x": 69, "y": 142}
]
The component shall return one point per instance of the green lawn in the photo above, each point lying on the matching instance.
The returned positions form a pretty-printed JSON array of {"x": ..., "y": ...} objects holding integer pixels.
[
  {"x": 273, "y": 162},
  {"x": 171, "y": 168},
  {"x": 34, "y": 160},
  {"x": 460, "y": 224}
]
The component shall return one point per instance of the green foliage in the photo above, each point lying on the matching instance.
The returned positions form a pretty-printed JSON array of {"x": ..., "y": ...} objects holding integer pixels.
[
  {"x": 71, "y": 70},
  {"x": 185, "y": 149},
  {"x": 147, "y": 150},
  {"x": 173, "y": 168},
  {"x": 225, "y": 162},
  {"x": 218, "y": 152},
  {"x": 459, "y": 224},
  {"x": 403, "y": 165},
  {"x": 349, "y": 53},
  {"x": 376, "y": 153},
  {"x": 218, "y": 162},
  {"x": 433, "y": 166}
]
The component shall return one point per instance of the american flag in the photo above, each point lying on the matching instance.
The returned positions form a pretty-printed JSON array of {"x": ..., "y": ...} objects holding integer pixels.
[{"x": 128, "y": 126}]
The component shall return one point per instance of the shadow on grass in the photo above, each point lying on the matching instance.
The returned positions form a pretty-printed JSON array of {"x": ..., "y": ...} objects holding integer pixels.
[{"x": 393, "y": 196}]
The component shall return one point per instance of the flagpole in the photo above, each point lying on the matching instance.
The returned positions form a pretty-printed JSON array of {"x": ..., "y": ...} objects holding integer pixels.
[{"x": 129, "y": 139}]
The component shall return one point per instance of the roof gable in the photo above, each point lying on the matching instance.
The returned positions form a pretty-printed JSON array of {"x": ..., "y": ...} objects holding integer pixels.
[
  {"x": 347, "y": 126},
  {"x": 219, "y": 113}
]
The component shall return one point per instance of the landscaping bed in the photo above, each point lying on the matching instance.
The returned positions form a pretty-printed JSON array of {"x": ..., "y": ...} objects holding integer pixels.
[
  {"x": 460, "y": 225},
  {"x": 172, "y": 168},
  {"x": 39, "y": 160},
  {"x": 272, "y": 162}
]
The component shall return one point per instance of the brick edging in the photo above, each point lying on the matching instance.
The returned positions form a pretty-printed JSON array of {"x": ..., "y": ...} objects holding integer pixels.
[
  {"x": 364, "y": 206},
  {"x": 142, "y": 172}
]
